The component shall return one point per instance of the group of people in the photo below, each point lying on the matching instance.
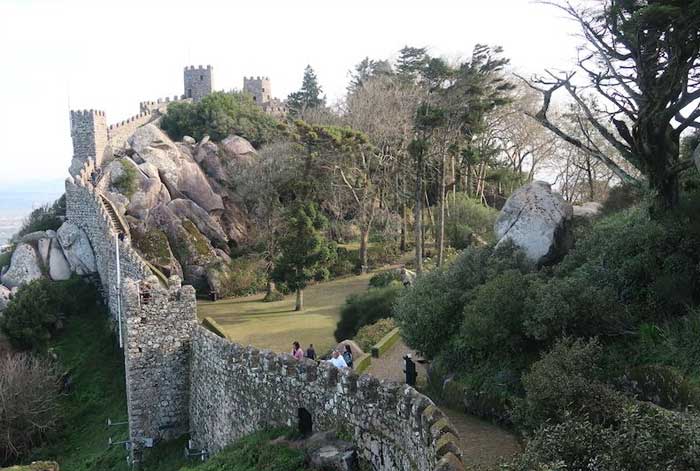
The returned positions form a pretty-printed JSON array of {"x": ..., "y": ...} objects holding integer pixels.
[{"x": 338, "y": 360}]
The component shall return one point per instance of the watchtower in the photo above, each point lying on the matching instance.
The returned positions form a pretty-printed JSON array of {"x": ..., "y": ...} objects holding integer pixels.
[
  {"x": 88, "y": 130},
  {"x": 259, "y": 87},
  {"x": 198, "y": 82}
]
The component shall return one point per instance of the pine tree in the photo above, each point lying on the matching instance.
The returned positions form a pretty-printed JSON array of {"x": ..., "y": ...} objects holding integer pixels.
[
  {"x": 305, "y": 253},
  {"x": 308, "y": 97}
]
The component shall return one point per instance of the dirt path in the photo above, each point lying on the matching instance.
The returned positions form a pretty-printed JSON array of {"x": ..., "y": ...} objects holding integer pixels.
[{"x": 483, "y": 444}]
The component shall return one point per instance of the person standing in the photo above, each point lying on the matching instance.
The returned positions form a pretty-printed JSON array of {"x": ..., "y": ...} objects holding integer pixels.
[
  {"x": 310, "y": 352},
  {"x": 297, "y": 352},
  {"x": 347, "y": 355}
]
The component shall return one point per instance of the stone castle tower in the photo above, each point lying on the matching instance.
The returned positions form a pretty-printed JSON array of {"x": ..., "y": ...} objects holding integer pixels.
[
  {"x": 88, "y": 130},
  {"x": 198, "y": 82},
  {"x": 259, "y": 87}
]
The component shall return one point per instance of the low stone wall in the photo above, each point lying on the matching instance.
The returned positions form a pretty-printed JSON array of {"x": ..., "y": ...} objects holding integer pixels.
[{"x": 238, "y": 390}]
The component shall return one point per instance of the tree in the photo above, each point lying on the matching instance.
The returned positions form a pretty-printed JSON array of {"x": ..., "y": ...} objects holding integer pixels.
[
  {"x": 642, "y": 59},
  {"x": 305, "y": 253},
  {"x": 366, "y": 70},
  {"x": 308, "y": 97},
  {"x": 219, "y": 115}
]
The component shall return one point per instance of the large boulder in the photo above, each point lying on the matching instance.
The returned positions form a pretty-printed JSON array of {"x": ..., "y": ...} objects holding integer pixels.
[
  {"x": 24, "y": 267},
  {"x": 176, "y": 167},
  {"x": 537, "y": 221},
  {"x": 207, "y": 225},
  {"x": 77, "y": 249},
  {"x": 59, "y": 268},
  {"x": 5, "y": 294},
  {"x": 238, "y": 149},
  {"x": 587, "y": 210}
]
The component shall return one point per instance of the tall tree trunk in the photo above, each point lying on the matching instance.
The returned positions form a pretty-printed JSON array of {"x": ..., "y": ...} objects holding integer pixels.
[
  {"x": 441, "y": 202},
  {"x": 300, "y": 300},
  {"x": 404, "y": 216},
  {"x": 418, "y": 214},
  {"x": 364, "y": 243}
]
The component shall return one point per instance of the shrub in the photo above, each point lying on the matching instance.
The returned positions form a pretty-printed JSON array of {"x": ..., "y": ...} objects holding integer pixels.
[
  {"x": 44, "y": 218},
  {"x": 345, "y": 263},
  {"x": 493, "y": 317},
  {"x": 382, "y": 253},
  {"x": 29, "y": 393},
  {"x": 126, "y": 183},
  {"x": 38, "y": 308},
  {"x": 244, "y": 276},
  {"x": 647, "y": 437},
  {"x": 370, "y": 334},
  {"x": 31, "y": 315},
  {"x": 219, "y": 115},
  {"x": 621, "y": 197},
  {"x": 273, "y": 296},
  {"x": 382, "y": 279},
  {"x": 567, "y": 380},
  {"x": 469, "y": 219},
  {"x": 662, "y": 385},
  {"x": 365, "y": 308}
]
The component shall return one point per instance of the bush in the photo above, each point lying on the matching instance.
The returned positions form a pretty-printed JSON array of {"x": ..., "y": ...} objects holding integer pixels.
[
  {"x": 38, "y": 309},
  {"x": 663, "y": 385},
  {"x": 29, "y": 394},
  {"x": 366, "y": 308},
  {"x": 647, "y": 438},
  {"x": 469, "y": 219},
  {"x": 621, "y": 197},
  {"x": 382, "y": 253},
  {"x": 44, "y": 218},
  {"x": 126, "y": 183},
  {"x": 568, "y": 380},
  {"x": 345, "y": 263},
  {"x": 244, "y": 276},
  {"x": 382, "y": 279},
  {"x": 219, "y": 115},
  {"x": 369, "y": 335}
]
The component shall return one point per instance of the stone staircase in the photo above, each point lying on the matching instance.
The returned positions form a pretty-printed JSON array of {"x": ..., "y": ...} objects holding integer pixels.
[{"x": 119, "y": 224}]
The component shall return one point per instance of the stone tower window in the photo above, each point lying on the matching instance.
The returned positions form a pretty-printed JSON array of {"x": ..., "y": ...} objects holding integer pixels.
[{"x": 201, "y": 77}]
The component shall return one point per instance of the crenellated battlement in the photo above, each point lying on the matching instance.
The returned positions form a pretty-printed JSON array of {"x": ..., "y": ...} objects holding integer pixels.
[
  {"x": 138, "y": 117},
  {"x": 237, "y": 390}
]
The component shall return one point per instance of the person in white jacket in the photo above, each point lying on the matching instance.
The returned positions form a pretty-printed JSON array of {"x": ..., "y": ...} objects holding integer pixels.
[{"x": 337, "y": 360}]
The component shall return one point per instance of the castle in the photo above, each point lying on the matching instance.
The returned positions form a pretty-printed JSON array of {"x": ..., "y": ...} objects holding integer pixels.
[{"x": 184, "y": 378}]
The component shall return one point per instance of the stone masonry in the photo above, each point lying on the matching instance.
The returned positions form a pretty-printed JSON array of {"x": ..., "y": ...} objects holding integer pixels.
[
  {"x": 238, "y": 390},
  {"x": 198, "y": 82}
]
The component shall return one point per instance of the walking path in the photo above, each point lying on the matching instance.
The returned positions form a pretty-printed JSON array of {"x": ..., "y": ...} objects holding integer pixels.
[{"x": 483, "y": 443}]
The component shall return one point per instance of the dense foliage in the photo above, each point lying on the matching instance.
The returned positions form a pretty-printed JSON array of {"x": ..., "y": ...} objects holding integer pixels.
[
  {"x": 469, "y": 221},
  {"x": 366, "y": 308},
  {"x": 218, "y": 116},
  {"x": 370, "y": 334},
  {"x": 40, "y": 308},
  {"x": 43, "y": 218},
  {"x": 566, "y": 353}
]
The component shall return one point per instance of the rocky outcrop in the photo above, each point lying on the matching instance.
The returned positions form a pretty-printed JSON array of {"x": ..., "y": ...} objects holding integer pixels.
[
  {"x": 587, "y": 210},
  {"x": 76, "y": 248},
  {"x": 25, "y": 267},
  {"x": 177, "y": 168},
  {"x": 5, "y": 295},
  {"x": 537, "y": 221},
  {"x": 59, "y": 268},
  {"x": 326, "y": 451}
]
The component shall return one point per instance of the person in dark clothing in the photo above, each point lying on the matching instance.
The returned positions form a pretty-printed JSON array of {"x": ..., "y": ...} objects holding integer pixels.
[
  {"x": 310, "y": 352},
  {"x": 347, "y": 355}
]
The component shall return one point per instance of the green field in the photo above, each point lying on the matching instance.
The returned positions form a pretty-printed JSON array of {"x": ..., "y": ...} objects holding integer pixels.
[{"x": 275, "y": 326}]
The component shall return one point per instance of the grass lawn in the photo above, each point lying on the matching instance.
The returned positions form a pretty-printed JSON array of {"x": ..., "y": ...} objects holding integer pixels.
[{"x": 275, "y": 326}]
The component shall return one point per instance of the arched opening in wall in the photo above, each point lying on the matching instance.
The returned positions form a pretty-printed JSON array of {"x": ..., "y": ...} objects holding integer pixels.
[{"x": 305, "y": 422}]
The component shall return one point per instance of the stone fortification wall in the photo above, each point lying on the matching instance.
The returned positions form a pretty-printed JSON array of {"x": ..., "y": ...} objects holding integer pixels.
[
  {"x": 237, "y": 390},
  {"x": 118, "y": 133},
  {"x": 159, "y": 324},
  {"x": 198, "y": 82},
  {"x": 156, "y": 320},
  {"x": 85, "y": 209},
  {"x": 161, "y": 104}
]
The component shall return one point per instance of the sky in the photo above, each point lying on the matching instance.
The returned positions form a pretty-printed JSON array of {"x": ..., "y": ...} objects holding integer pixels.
[{"x": 58, "y": 55}]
